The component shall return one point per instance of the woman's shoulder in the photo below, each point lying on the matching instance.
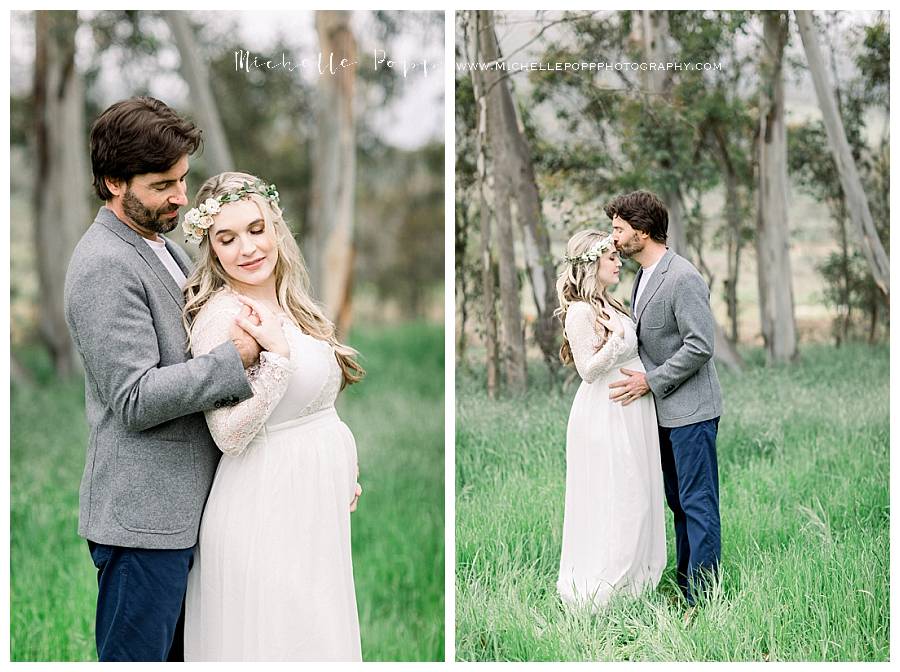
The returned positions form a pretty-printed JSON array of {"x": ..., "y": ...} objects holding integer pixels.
[
  {"x": 579, "y": 311},
  {"x": 582, "y": 311},
  {"x": 579, "y": 307}
]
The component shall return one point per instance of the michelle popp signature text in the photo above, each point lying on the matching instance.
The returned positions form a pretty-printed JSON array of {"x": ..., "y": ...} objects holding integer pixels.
[{"x": 327, "y": 64}]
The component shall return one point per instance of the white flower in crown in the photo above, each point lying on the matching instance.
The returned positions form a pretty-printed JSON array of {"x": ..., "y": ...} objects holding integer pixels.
[
  {"x": 597, "y": 250},
  {"x": 198, "y": 220}
]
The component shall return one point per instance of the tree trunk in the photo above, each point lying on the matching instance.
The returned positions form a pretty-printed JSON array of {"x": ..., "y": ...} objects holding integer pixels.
[
  {"x": 492, "y": 350},
  {"x": 61, "y": 185},
  {"x": 656, "y": 40},
  {"x": 726, "y": 353},
  {"x": 776, "y": 294},
  {"x": 857, "y": 203},
  {"x": 873, "y": 316},
  {"x": 498, "y": 169},
  {"x": 512, "y": 355},
  {"x": 461, "y": 240},
  {"x": 196, "y": 74},
  {"x": 846, "y": 309},
  {"x": 511, "y": 156},
  {"x": 840, "y": 206},
  {"x": 489, "y": 307},
  {"x": 334, "y": 171},
  {"x": 657, "y": 48},
  {"x": 539, "y": 262},
  {"x": 733, "y": 218}
]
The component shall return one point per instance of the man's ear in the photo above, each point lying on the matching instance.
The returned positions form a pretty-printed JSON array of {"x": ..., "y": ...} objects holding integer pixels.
[{"x": 115, "y": 185}]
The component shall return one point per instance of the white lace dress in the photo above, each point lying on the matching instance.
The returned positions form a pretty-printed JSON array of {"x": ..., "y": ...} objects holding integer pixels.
[
  {"x": 613, "y": 531},
  {"x": 272, "y": 577}
]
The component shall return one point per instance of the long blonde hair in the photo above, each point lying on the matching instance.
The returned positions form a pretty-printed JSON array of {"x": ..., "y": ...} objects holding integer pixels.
[
  {"x": 578, "y": 282},
  {"x": 292, "y": 286}
]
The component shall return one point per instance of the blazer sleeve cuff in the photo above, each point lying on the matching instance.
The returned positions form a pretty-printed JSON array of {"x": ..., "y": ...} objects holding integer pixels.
[
  {"x": 658, "y": 384},
  {"x": 233, "y": 372}
]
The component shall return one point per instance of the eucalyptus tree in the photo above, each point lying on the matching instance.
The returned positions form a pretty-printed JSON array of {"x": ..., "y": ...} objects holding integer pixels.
[
  {"x": 496, "y": 187},
  {"x": 858, "y": 203},
  {"x": 194, "y": 69},
  {"x": 515, "y": 186},
  {"x": 334, "y": 169},
  {"x": 61, "y": 176},
  {"x": 776, "y": 293},
  {"x": 850, "y": 287}
]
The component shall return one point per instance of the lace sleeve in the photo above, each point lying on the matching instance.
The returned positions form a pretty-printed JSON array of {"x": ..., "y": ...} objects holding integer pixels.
[
  {"x": 590, "y": 361},
  {"x": 233, "y": 427}
]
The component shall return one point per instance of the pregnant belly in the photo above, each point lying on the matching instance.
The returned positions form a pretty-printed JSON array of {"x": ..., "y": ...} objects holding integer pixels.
[
  {"x": 309, "y": 470},
  {"x": 615, "y": 374}
]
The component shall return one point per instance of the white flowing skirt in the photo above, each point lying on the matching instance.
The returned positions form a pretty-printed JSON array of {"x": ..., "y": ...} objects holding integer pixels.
[
  {"x": 614, "y": 530},
  {"x": 273, "y": 577}
]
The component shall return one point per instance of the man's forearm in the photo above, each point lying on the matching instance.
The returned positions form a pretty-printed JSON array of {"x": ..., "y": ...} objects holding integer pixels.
[
  {"x": 157, "y": 395},
  {"x": 668, "y": 376}
]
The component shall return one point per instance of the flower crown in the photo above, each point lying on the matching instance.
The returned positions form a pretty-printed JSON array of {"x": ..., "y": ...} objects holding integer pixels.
[
  {"x": 198, "y": 220},
  {"x": 596, "y": 251}
]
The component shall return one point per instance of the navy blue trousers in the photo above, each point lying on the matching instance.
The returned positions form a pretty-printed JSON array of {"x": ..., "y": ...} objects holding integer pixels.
[
  {"x": 140, "y": 602},
  {"x": 691, "y": 479}
]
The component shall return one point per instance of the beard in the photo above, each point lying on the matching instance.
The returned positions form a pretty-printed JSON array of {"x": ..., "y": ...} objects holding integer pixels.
[
  {"x": 146, "y": 218},
  {"x": 628, "y": 248}
]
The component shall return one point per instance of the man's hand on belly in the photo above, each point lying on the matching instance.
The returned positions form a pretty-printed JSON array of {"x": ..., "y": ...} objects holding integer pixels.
[{"x": 633, "y": 387}]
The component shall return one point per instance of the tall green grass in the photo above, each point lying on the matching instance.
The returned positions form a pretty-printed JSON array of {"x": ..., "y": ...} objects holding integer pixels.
[
  {"x": 804, "y": 475},
  {"x": 397, "y": 417}
]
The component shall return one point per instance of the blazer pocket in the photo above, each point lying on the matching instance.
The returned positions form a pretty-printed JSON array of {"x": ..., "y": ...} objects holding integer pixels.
[
  {"x": 654, "y": 316},
  {"x": 155, "y": 486},
  {"x": 684, "y": 401}
]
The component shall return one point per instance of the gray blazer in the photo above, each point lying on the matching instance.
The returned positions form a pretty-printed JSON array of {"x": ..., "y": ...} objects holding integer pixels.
[
  {"x": 676, "y": 334},
  {"x": 150, "y": 457}
]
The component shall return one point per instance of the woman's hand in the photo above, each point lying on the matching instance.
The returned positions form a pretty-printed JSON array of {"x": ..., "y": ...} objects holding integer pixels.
[
  {"x": 613, "y": 323},
  {"x": 357, "y": 493},
  {"x": 267, "y": 331},
  {"x": 355, "y": 500}
]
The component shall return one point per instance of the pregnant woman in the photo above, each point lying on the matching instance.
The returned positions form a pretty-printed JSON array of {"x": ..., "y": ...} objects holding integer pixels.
[
  {"x": 613, "y": 531},
  {"x": 272, "y": 577}
]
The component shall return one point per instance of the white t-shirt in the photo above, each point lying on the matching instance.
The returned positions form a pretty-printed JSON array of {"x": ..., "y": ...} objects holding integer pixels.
[
  {"x": 159, "y": 247},
  {"x": 645, "y": 280}
]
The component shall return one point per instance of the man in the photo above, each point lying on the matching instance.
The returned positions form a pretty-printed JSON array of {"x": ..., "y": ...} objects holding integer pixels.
[
  {"x": 150, "y": 458},
  {"x": 676, "y": 333}
]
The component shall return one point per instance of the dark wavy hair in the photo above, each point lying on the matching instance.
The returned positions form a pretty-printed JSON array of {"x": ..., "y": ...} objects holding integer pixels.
[
  {"x": 136, "y": 136},
  {"x": 643, "y": 211}
]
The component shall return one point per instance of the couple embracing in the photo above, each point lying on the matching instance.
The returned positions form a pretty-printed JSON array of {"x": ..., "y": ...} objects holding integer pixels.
[
  {"x": 645, "y": 418},
  {"x": 210, "y": 389}
]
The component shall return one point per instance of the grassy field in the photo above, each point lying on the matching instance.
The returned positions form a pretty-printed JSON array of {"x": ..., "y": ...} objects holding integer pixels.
[
  {"x": 397, "y": 417},
  {"x": 804, "y": 474}
]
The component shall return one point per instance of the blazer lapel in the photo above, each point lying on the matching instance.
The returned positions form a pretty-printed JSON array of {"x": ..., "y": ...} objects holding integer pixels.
[
  {"x": 108, "y": 218},
  {"x": 656, "y": 281}
]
